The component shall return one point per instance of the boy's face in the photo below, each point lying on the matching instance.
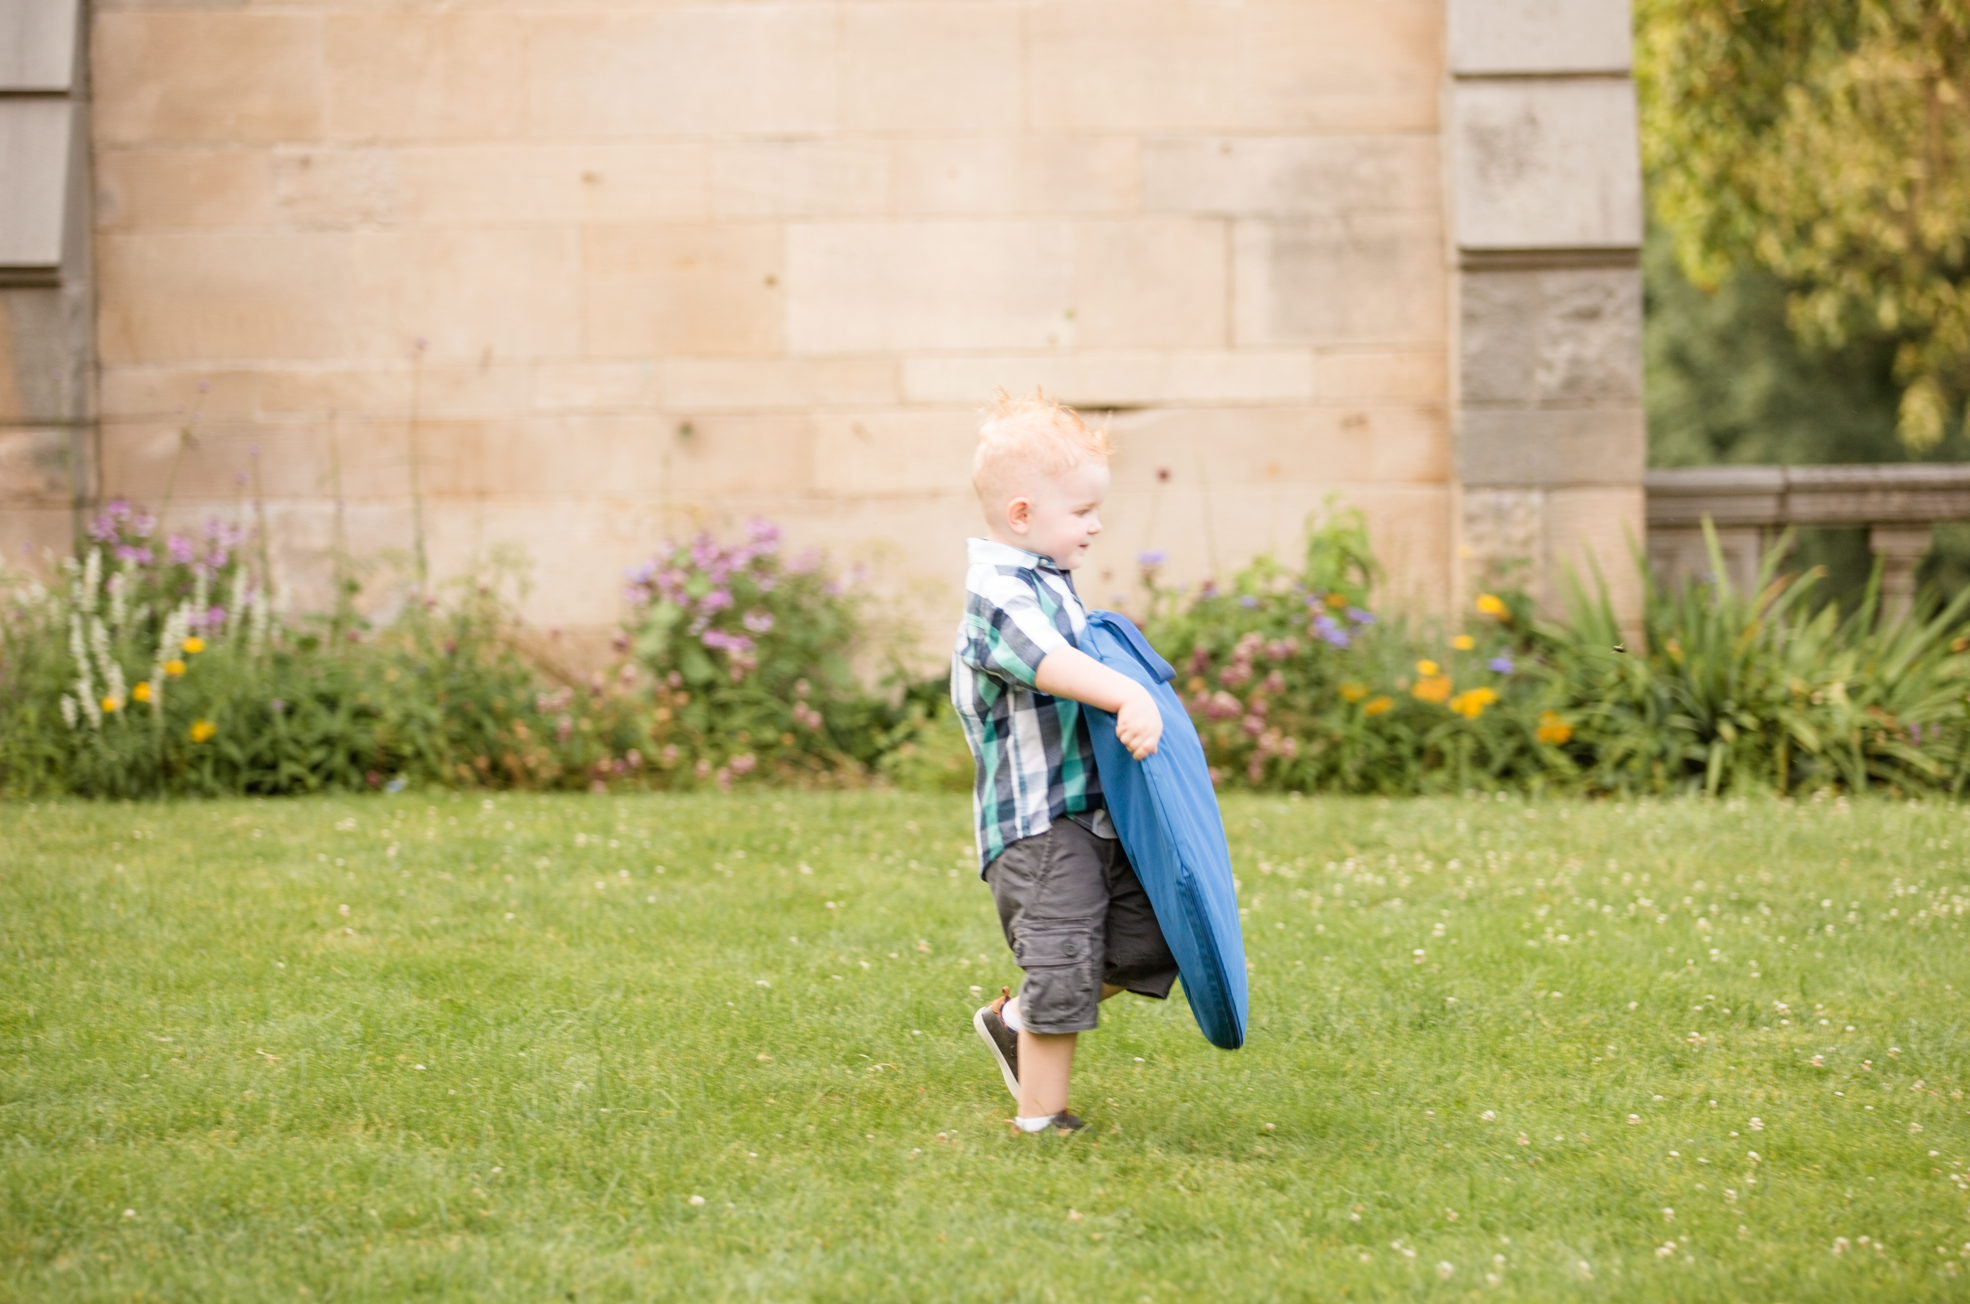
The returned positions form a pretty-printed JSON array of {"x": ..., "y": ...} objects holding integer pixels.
[{"x": 1061, "y": 516}]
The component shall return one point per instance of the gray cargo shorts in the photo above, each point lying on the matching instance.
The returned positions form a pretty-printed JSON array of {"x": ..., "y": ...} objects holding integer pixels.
[{"x": 1075, "y": 916}]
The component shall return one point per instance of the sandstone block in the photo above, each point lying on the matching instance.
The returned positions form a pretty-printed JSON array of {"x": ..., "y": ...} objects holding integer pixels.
[
  {"x": 468, "y": 294},
  {"x": 1132, "y": 379},
  {"x": 1284, "y": 176},
  {"x": 1565, "y": 337},
  {"x": 726, "y": 69},
  {"x": 1193, "y": 449},
  {"x": 930, "y": 67},
  {"x": 1546, "y": 165},
  {"x": 890, "y": 453},
  {"x": 1212, "y": 532},
  {"x": 711, "y": 384},
  {"x": 576, "y": 548},
  {"x": 179, "y": 393},
  {"x": 27, "y": 532},
  {"x": 216, "y": 464},
  {"x": 487, "y": 390},
  {"x": 184, "y": 77},
  {"x": 210, "y": 297},
  {"x": 800, "y": 178},
  {"x": 988, "y": 175},
  {"x": 1374, "y": 278},
  {"x": 335, "y": 189},
  {"x": 148, "y": 189},
  {"x": 1170, "y": 64},
  {"x": 873, "y": 287},
  {"x": 1539, "y": 36},
  {"x": 1551, "y": 446},
  {"x": 589, "y": 181},
  {"x": 712, "y": 458},
  {"x": 348, "y": 391},
  {"x": 1148, "y": 283},
  {"x": 1411, "y": 376},
  {"x": 600, "y": 456},
  {"x": 425, "y": 76},
  {"x": 1589, "y": 529},
  {"x": 655, "y": 290},
  {"x": 596, "y": 386}
]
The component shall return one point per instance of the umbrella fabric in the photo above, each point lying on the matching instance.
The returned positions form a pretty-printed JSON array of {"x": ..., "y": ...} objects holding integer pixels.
[{"x": 1166, "y": 811}]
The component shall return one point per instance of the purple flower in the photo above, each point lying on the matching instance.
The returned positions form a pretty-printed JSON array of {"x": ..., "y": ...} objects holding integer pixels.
[
  {"x": 125, "y": 552},
  {"x": 716, "y": 600},
  {"x": 181, "y": 549},
  {"x": 759, "y": 622},
  {"x": 1151, "y": 558},
  {"x": 1502, "y": 663},
  {"x": 215, "y": 617},
  {"x": 720, "y": 641},
  {"x": 1248, "y": 601},
  {"x": 1361, "y": 617},
  {"x": 1329, "y": 630},
  {"x": 277, "y": 706}
]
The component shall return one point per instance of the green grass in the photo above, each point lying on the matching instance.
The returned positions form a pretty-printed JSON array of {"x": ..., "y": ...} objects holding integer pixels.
[{"x": 545, "y": 1024}]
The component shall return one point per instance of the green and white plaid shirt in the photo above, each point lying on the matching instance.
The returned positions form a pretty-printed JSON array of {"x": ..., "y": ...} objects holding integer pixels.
[{"x": 1035, "y": 760}]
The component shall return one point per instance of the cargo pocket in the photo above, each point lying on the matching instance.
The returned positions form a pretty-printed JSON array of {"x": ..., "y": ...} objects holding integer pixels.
[{"x": 1062, "y": 991}]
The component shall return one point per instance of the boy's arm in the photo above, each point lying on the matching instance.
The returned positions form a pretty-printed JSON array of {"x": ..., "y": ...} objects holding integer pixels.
[{"x": 1070, "y": 672}]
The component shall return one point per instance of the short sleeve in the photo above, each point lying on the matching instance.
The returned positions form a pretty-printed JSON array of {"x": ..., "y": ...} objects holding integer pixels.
[{"x": 1010, "y": 631}]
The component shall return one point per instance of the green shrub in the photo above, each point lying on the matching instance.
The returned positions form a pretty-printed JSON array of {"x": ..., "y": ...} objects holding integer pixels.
[
  {"x": 1763, "y": 691},
  {"x": 1295, "y": 682}
]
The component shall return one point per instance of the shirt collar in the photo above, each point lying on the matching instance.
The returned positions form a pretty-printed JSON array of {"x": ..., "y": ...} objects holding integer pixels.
[{"x": 990, "y": 552}]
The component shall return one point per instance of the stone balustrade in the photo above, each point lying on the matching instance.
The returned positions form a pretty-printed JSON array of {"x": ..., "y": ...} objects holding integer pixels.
[{"x": 1750, "y": 505}]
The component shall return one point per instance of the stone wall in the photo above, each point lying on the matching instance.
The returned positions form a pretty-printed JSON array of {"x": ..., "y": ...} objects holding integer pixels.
[
  {"x": 601, "y": 271},
  {"x": 1547, "y": 220}
]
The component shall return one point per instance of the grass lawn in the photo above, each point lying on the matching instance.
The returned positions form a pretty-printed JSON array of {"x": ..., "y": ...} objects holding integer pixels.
[{"x": 599, "y": 1048}]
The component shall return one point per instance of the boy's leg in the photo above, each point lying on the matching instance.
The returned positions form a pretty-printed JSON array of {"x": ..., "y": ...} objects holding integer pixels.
[
  {"x": 1046, "y": 1064},
  {"x": 1051, "y": 894}
]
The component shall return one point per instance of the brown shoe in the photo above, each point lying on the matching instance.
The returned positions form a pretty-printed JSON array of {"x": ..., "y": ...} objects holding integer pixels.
[{"x": 1002, "y": 1041}]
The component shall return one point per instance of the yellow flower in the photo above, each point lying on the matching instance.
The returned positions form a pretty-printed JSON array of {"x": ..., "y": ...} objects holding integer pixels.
[
  {"x": 1377, "y": 705},
  {"x": 1490, "y": 604},
  {"x": 1463, "y": 642},
  {"x": 1431, "y": 687},
  {"x": 1471, "y": 702},
  {"x": 174, "y": 667},
  {"x": 1553, "y": 728},
  {"x": 202, "y": 731},
  {"x": 1353, "y": 691},
  {"x": 1337, "y": 600},
  {"x": 194, "y": 644},
  {"x": 1428, "y": 668},
  {"x": 111, "y": 704},
  {"x": 141, "y": 692}
]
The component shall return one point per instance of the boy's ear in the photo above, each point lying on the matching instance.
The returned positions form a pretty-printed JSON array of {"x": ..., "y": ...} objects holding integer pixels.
[{"x": 1019, "y": 515}]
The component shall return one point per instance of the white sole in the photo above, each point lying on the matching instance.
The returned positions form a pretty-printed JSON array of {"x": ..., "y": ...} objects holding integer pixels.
[{"x": 1005, "y": 1069}]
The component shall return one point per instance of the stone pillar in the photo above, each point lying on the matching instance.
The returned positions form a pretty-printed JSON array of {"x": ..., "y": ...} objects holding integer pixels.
[
  {"x": 47, "y": 327},
  {"x": 1901, "y": 549},
  {"x": 1544, "y": 180}
]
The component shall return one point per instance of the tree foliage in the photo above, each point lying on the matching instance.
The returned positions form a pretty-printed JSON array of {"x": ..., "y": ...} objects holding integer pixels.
[{"x": 1827, "y": 141}]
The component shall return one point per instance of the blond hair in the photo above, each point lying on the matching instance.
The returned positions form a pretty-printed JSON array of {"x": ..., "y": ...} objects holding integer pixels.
[{"x": 1027, "y": 437}]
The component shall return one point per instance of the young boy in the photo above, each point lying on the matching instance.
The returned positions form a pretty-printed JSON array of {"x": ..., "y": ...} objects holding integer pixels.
[{"x": 1076, "y": 918}]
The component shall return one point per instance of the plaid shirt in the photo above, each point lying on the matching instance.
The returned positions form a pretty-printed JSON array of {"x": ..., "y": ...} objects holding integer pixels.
[{"x": 1035, "y": 760}]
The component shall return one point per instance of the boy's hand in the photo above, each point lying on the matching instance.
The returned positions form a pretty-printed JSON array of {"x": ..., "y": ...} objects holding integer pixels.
[
  {"x": 1070, "y": 672},
  {"x": 1139, "y": 724}
]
